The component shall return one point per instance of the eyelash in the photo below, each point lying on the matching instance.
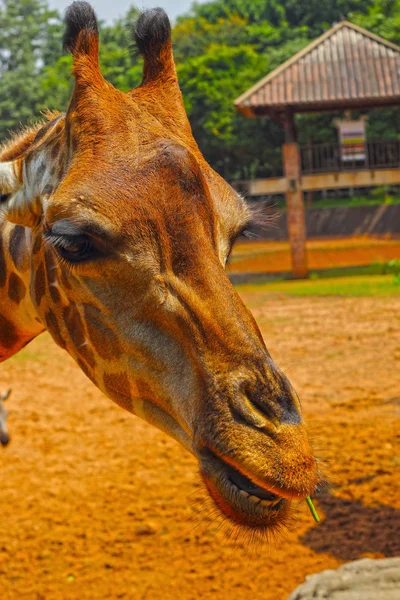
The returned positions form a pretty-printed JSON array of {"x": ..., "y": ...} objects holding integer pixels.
[
  {"x": 88, "y": 252},
  {"x": 61, "y": 244},
  {"x": 246, "y": 231}
]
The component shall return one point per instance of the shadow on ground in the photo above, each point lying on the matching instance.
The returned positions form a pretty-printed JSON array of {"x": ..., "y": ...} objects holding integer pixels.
[{"x": 351, "y": 529}]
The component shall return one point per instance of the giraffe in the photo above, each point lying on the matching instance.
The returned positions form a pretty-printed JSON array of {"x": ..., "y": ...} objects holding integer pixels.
[
  {"x": 4, "y": 436},
  {"x": 115, "y": 234}
]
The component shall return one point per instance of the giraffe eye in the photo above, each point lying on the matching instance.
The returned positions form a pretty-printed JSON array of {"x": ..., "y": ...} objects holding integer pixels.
[
  {"x": 76, "y": 248},
  {"x": 73, "y": 249}
]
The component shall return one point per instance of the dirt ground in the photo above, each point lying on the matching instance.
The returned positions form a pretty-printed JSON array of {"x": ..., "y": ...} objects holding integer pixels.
[
  {"x": 97, "y": 505},
  {"x": 274, "y": 257}
]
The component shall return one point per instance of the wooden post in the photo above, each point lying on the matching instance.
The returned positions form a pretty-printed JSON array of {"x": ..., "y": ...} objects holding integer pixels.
[{"x": 294, "y": 199}]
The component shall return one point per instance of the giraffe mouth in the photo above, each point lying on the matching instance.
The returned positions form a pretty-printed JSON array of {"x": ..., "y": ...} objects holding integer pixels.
[{"x": 239, "y": 498}]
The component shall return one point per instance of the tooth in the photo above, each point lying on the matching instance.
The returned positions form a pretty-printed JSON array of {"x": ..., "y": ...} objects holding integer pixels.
[
  {"x": 270, "y": 503},
  {"x": 244, "y": 494},
  {"x": 254, "y": 499},
  {"x": 267, "y": 502}
]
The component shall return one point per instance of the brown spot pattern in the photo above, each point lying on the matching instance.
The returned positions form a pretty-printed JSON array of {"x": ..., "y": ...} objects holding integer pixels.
[
  {"x": 66, "y": 284},
  {"x": 16, "y": 288},
  {"x": 8, "y": 333},
  {"x": 52, "y": 275},
  {"x": 117, "y": 382},
  {"x": 55, "y": 294},
  {"x": 54, "y": 328},
  {"x": 51, "y": 266},
  {"x": 17, "y": 247},
  {"x": 76, "y": 330},
  {"x": 102, "y": 337},
  {"x": 37, "y": 244},
  {"x": 55, "y": 150},
  {"x": 40, "y": 284}
]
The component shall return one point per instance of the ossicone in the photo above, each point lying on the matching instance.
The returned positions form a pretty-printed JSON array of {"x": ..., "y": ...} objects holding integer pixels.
[
  {"x": 81, "y": 38},
  {"x": 152, "y": 37},
  {"x": 81, "y": 29},
  {"x": 151, "y": 32}
]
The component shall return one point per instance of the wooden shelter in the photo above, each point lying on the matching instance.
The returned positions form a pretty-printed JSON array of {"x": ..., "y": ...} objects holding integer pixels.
[{"x": 346, "y": 68}]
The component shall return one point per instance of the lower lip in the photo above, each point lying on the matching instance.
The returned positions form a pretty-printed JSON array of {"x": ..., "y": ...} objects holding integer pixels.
[
  {"x": 216, "y": 463},
  {"x": 269, "y": 505},
  {"x": 257, "y": 514}
]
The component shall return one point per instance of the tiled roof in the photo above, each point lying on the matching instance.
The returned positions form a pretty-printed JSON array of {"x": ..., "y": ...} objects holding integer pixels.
[{"x": 347, "y": 65}]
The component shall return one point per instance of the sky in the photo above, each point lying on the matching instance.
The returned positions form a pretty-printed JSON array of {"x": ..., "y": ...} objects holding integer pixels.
[{"x": 108, "y": 10}]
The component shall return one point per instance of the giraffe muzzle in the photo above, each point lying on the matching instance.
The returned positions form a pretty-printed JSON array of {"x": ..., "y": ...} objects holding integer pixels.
[
  {"x": 255, "y": 475},
  {"x": 239, "y": 498}
]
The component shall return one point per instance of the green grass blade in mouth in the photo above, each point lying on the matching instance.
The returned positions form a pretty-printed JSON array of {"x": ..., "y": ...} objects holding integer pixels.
[{"x": 312, "y": 509}]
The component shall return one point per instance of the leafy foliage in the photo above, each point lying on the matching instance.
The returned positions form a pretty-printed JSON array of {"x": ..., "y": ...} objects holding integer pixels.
[
  {"x": 29, "y": 42},
  {"x": 221, "y": 48}
]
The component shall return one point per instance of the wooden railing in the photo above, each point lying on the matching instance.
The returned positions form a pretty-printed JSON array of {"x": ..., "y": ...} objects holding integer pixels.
[{"x": 328, "y": 158}]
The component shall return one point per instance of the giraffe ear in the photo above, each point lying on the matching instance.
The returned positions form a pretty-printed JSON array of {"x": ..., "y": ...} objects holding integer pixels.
[
  {"x": 8, "y": 179},
  {"x": 14, "y": 204}
]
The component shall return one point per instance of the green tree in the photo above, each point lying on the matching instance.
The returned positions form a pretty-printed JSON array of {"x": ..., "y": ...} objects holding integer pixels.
[
  {"x": 221, "y": 49},
  {"x": 313, "y": 14},
  {"x": 274, "y": 30},
  {"x": 30, "y": 32}
]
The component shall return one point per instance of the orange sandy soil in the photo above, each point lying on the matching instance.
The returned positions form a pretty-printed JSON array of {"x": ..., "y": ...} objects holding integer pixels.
[
  {"x": 273, "y": 257},
  {"x": 97, "y": 505}
]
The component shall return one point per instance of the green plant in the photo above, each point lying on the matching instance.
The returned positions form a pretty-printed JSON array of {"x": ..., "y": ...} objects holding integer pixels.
[{"x": 312, "y": 509}]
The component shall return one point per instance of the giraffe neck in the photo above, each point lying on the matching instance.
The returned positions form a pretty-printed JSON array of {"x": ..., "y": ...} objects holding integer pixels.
[{"x": 19, "y": 322}]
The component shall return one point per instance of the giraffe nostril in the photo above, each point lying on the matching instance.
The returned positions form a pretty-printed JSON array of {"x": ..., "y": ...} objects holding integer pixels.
[
  {"x": 261, "y": 403},
  {"x": 254, "y": 412},
  {"x": 279, "y": 403}
]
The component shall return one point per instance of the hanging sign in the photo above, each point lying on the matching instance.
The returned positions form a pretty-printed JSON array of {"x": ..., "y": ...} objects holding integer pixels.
[{"x": 352, "y": 140}]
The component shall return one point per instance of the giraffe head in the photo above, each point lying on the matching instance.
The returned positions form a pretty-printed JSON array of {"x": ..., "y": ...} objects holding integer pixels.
[{"x": 130, "y": 233}]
